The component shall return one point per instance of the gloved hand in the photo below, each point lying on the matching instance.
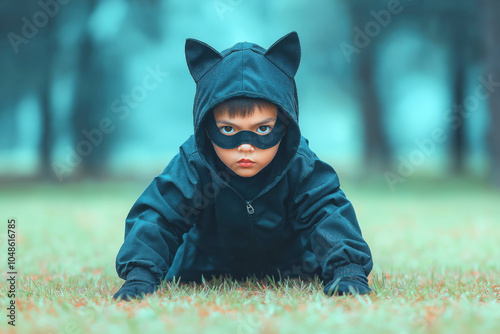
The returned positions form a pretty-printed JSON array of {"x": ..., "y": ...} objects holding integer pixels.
[
  {"x": 341, "y": 287},
  {"x": 140, "y": 282}
]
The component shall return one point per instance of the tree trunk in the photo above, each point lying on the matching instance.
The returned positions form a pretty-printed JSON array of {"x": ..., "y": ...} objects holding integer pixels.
[
  {"x": 491, "y": 34},
  {"x": 90, "y": 107},
  {"x": 376, "y": 148},
  {"x": 47, "y": 132},
  {"x": 377, "y": 153},
  {"x": 459, "y": 85}
]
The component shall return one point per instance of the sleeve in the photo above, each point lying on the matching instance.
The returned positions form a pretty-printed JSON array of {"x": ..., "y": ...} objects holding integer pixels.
[
  {"x": 327, "y": 222},
  {"x": 158, "y": 220}
]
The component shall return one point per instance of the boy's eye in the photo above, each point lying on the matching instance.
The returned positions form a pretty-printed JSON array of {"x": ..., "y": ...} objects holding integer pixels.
[
  {"x": 227, "y": 130},
  {"x": 263, "y": 129}
]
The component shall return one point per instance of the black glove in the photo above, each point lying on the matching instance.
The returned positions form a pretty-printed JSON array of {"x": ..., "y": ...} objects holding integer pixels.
[
  {"x": 139, "y": 283},
  {"x": 357, "y": 282}
]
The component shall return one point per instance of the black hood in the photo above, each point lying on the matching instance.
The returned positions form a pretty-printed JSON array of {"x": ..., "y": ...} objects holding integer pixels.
[{"x": 246, "y": 70}]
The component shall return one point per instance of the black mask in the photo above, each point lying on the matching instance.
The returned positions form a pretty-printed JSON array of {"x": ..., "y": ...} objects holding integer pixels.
[{"x": 244, "y": 137}]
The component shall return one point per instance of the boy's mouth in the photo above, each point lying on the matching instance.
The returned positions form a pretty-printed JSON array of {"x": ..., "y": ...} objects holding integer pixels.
[{"x": 245, "y": 163}]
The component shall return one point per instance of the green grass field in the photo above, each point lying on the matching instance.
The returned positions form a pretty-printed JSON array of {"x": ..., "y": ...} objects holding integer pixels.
[{"x": 436, "y": 249}]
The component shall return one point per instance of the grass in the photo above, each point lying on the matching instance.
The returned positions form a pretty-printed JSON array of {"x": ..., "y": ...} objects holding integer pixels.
[{"x": 435, "y": 249}]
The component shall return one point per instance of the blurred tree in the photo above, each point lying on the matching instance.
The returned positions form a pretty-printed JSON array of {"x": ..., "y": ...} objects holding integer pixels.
[
  {"x": 100, "y": 69},
  {"x": 28, "y": 55},
  {"x": 377, "y": 153},
  {"x": 10, "y": 83},
  {"x": 88, "y": 101},
  {"x": 490, "y": 16},
  {"x": 47, "y": 136},
  {"x": 457, "y": 22},
  {"x": 458, "y": 64}
]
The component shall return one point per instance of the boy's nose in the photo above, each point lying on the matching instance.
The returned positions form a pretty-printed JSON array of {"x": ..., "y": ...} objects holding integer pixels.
[{"x": 245, "y": 148}]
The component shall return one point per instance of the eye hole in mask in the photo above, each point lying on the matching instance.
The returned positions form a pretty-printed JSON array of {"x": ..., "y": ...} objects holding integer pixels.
[{"x": 272, "y": 138}]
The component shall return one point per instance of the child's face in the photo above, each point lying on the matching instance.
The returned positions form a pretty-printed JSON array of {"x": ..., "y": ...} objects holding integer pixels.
[{"x": 261, "y": 122}]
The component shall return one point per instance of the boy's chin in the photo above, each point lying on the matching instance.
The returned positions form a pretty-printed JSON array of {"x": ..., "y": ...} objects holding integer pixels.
[{"x": 246, "y": 172}]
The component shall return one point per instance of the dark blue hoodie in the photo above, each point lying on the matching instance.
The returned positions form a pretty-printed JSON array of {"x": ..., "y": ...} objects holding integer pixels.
[{"x": 191, "y": 220}]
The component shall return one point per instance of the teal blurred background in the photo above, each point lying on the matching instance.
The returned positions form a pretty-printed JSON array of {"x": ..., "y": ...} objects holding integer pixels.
[{"x": 389, "y": 89}]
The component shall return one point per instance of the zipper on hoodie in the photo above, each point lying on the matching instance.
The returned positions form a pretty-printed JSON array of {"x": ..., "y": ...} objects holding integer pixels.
[{"x": 250, "y": 209}]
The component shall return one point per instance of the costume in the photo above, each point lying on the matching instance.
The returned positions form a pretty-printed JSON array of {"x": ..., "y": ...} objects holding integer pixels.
[{"x": 197, "y": 218}]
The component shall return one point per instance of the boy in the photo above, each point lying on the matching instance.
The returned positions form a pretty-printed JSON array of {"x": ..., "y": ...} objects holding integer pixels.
[{"x": 245, "y": 195}]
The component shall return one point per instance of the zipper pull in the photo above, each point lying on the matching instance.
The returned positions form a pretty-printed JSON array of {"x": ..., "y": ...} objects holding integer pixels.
[{"x": 250, "y": 209}]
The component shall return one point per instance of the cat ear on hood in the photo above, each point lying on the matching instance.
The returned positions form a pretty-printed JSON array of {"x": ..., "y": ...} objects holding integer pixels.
[
  {"x": 285, "y": 54},
  {"x": 200, "y": 58}
]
